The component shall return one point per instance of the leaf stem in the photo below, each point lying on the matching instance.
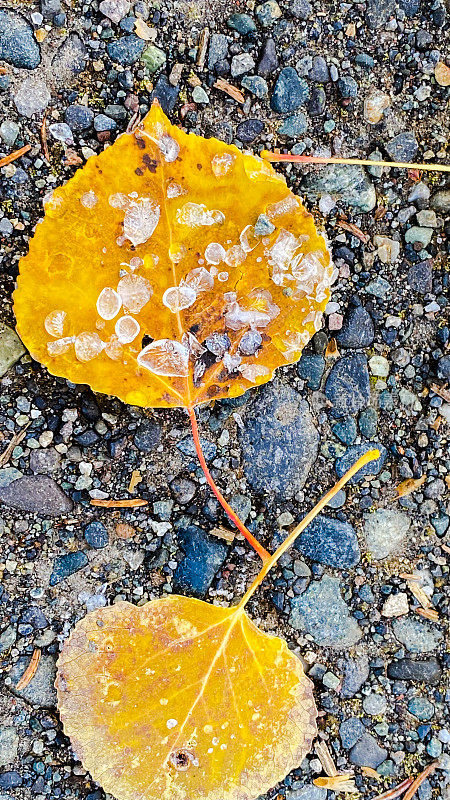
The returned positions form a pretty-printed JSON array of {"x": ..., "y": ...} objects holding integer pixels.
[
  {"x": 371, "y": 455},
  {"x": 262, "y": 552},
  {"x": 269, "y": 156}
]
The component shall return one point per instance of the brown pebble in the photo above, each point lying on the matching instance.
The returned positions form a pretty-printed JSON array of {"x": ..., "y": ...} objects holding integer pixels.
[{"x": 124, "y": 531}]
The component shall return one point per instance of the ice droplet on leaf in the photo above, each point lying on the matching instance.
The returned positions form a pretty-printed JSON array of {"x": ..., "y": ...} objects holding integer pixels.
[
  {"x": 59, "y": 346},
  {"x": 113, "y": 348},
  {"x": 89, "y": 199},
  {"x": 214, "y": 253},
  {"x": 127, "y": 328},
  {"x": 88, "y": 346},
  {"x": 250, "y": 343},
  {"x": 141, "y": 219},
  {"x": 254, "y": 310},
  {"x": 109, "y": 303},
  {"x": 249, "y": 239},
  {"x": 169, "y": 147},
  {"x": 199, "y": 279},
  {"x": 54, "y": 323},
  {"x": 135, "y": 291},
  {"x": 165, "y": 357},
  {"x": 235, "y": 256},
  {"x": 179, "y": 297},
  {"x": 221, "y": 164},
  {"x": 251, "y": 372},
  {"x": 197, "y": 214},
  {"x": 174, "y": 190}
]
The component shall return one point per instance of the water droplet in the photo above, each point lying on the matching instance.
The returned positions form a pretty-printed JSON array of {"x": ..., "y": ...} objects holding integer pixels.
[
  {"x": 196, "y": 214},
  {"x": 168, "y": 147},
  {"x": 118, "y": 200},
  {"x": 222, "y": 277},
  {"x": 250, "y": 343},
  {"x": 179, "y": 297},
  {"x": 88, "y": 346},
  {"x": 214, "y": 253},
  {"x": 60, "y": 346},
  {"x": 140, "y": 220},
  {"x": 281, "y": 207},
  {"x": 136, "y": 262},
  {"x": 54, "y": 323},
  {"x": 218, "y": 344},
  {"x": 165, "y": 357},
  {"x": 251, "y": 372},
  {"x": 171, "y": 723},
  {"x": 254, "y": 310},
  {"x": 199, "y": 280},
  {"x": 89, "y": 199},
  {"x": 135, "y": 291},
  {"x": 222, "y": 163},
  {"x": 109, "y": 303},
  {"x": 127, "y": 328},
  {"x": 113, "y": 348},
  {"x": 235, "y": 256},
  {"x": 177, "y": 252},
  {"x": 174, "y": 190},
  {"x": 249, "y": 239}
]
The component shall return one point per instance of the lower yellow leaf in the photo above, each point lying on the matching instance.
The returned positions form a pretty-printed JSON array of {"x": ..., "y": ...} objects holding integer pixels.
[{"x": 179, "y": 699}]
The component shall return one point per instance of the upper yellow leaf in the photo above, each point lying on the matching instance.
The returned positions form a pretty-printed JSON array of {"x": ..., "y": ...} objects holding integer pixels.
[
  {"x": 171, "y": 270},
  {"x": 178, "y": 699}
]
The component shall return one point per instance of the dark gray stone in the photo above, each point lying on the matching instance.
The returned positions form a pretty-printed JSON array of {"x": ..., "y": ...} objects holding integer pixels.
[
  {"x": 165, "y": 93},
  {"x": 248, "y": 130},
  {"x": 70, "y": 58},
  {"x": 295, "y": 125},
  {"x": 127, "y": 50},
  {"x": 290, "y": 92},
  {"x": 66, "y": 565},
  {"x": 183, "y": 490},
  {"x": 357, "y": 329},
  {"x": 443, "y": 369},
  {"x": 39, "y": 494},
  {"x": 300, "y": 9},
  {"x": 348, "y": 386},
  {"x": 418, "y": 636},
  {"x": 310, "y": 368},
  {"x": 420, "y": 277},
  {"x": 403, "y": 147},
  {"x": 203, "y": 557},
  {"x": 79, "y": 118},
  {"x": 268, "y": 61},
  {"x": 322, "y": 612},
  {"x": 96, "y": 535},
  {"x": 319, "y": 72},
  {"x": 330, "y": 542},
  {"x": 18, "y": 46},
  {"x": 41, "y": 691},
  {"x": 49, "y": 8},
  {"x": 347, "y": 87},
  {"x": 353, "y": 453},
  {"x": 10, "y": 780},
  {"x": 187, "y": 447},
  {"x": 367, "y": 752},
  {"x": 242, "y": 23},
  {"x": 147, "y": 436},
  {"x": 355, "y": 672},
  {"x": 350, "y": 732},
  {"x": 410, "y": 7},
  {"x": 35, "y": 617},
  {"x": 218, "y": 49},
  {"x": 45, "y": 461},
  {"x": 378, "y": 12},
  {"x": 421, "y": 708},
  {"x": 349, "y": 185},
  {"x": 405, "y": 669},
  {"x": 104, "y": 123},
  {"x": 279, "y": 441}
]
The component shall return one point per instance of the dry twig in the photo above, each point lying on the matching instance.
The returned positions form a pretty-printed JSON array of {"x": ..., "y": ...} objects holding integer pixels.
[
  {"x": 134, "y": 503},
  {"x": 30, "y": 670},
  {"x": 13, "y": 156},
  {"x": 230, "y": 90},
  {"x": 16, "y": 439}
]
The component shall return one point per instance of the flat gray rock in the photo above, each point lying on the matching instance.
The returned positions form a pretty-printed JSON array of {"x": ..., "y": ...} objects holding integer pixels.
[
  {"x": 279, "y": 441},
  {"x": 38, "y": 494},
  {"x": 40, "y": 691},
  {"x": 385, "y": 531},
  {"x": 322, "y": 612},
  {"x": 11, "y": 348},
  {"x": 415, "y": 635},
  {"x": 349, "y": 185}
]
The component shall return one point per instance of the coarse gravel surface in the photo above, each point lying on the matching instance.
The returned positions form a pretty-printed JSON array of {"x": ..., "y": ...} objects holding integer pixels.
[{"x": 363, "y": 79}]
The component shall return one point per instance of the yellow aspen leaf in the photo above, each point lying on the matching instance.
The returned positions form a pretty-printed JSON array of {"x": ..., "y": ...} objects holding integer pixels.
[
  {"x": 179, "y": 699},
  {"x": 172, "y": 270}
]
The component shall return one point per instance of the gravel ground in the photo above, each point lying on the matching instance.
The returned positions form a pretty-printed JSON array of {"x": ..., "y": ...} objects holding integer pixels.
[{"x": 352, "y": 78}]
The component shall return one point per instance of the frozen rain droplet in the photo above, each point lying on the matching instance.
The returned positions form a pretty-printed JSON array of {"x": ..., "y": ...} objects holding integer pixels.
[
  {"x": 285, "y": 206},
  {"x": 136, "y": 262},
  {"x": 177, "y": 252},
  {"x": 140, "y": 220},
  {"x": 250, "y": 343},
  {"x": 222, "y": 163},
  {"x": 118, "y": 200},
  {"x": 88, "y": 346},
  {"x": 135, "y": 291},
  {"x": 253, "y": 371},
  {"x": 54, "y": 323},
  {"x": 218, "y": 343},
  {"x": 222, "y": 277},
  {"x": 179, "y": 297},
  {"x": 231, "y": 363},
  {"x": 235, "y": 256},
  {"x": 214, "y": 253},
  {"x": 199, "y": 279},
  {"x": 294, "y": 342},
  {"x": 249, "y": 239},
  {"x": 113, "y": 348},
  {"x": 196, "y": 214},
  {"x": 174, "y": 190},
  {"x": 60, "y": 346},
  {"x": 168, "y": 147},
  {"x": 89, "y": 199},
  {"x": 127, "y": 328},
  {"x": 192, "y": 343},
  {"x": 255, "y": 310},
  {"x": 282, "y": 252},
  {"x": 109, "y": 303},
  {"x": 165, "y": 357}
]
